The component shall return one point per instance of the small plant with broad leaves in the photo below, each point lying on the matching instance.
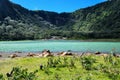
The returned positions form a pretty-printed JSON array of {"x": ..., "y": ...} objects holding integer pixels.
[
  {"x": 57, "y": 77},
  {"x": 87, "y": 62},
  {"x": 21, "y": 74},
  {"x": 72, "y": 63},
  {"x": 1, "y": 77},
  {"x": 46, "y": 70}
]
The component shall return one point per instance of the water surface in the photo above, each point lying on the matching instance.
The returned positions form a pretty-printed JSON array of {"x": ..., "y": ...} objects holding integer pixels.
[{"x": 58, "y": 45}]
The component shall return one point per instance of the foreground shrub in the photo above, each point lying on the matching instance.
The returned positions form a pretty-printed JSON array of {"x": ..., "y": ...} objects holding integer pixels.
[
  {"x": 114, "y": 75},
  {"x": 57, "y": 77},
  {"x": 1, "y": 77},
  {"x": 87, "y": 62},
  {"x": 21, "y": 74}
]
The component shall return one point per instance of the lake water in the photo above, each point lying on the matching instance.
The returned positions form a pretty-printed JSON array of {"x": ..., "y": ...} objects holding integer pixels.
[{"x": 58, "y": 45}]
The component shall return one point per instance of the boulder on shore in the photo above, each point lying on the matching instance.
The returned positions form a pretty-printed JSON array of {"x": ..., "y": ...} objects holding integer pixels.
[
  {"x": 13, "y": 56},
  {"x": 31, "y": 55},
  {"x": 0, "y": 55},
  {"x": 101, "y": 54},
  {"x": 46, "y": 53},
  {"x": 97, "y": 53},
  {"x": 65, "y": 54},
  {"x": 116, "y": 55}
]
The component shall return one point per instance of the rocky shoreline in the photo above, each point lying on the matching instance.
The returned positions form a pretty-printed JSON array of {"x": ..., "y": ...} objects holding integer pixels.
[{"x": 48, "y": 53}]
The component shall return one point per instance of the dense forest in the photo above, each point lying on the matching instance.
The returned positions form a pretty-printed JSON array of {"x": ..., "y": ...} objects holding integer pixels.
[{"x": 95, "y": 22}]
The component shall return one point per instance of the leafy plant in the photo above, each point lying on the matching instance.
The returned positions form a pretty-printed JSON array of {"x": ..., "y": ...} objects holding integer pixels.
[
  {"x": 1, "y": 77},
  {"x": 72, "y": 63},
  {"x": 46, "y": 70},
  {"x": 87, "y": 62},
  {"x": 21, "y": 74},
  {"x": 57, "y": 77},
  {"x": 50, "y": 62},
  {"x": 65, "y": 63},
  {"x": 113, "y": 74}
]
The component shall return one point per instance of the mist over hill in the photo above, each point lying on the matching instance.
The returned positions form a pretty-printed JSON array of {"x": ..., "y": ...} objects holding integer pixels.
[{"x": 99, "y": 21}]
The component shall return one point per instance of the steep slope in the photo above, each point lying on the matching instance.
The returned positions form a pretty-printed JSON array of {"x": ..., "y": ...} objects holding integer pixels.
[
  {"x": 13, "y": 10},
  {"x": 18, "y": 23},
  {"x": 99, "y": 21},
  {"x": 102, "y": 19},
  {"x": 17, "y": 12}
]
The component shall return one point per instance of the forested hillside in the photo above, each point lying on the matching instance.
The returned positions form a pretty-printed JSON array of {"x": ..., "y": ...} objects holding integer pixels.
[{"x": 99, "y": 21}]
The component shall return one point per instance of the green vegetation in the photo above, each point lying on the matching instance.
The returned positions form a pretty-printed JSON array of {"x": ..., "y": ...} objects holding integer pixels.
[
  {"x": 97, "y": 22},
  {"x": 19, "y": 74},
  {"x": 61, "y": 68}
]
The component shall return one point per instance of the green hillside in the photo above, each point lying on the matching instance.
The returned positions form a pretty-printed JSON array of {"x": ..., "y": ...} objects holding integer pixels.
[{"x": 99, "y": 21}]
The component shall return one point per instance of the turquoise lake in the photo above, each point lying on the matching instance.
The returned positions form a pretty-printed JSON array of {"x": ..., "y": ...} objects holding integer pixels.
[{"x": 58, "y": 45}]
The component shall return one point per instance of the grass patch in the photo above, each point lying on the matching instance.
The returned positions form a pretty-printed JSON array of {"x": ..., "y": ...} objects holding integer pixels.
[{"x": 63, "y": 68}]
